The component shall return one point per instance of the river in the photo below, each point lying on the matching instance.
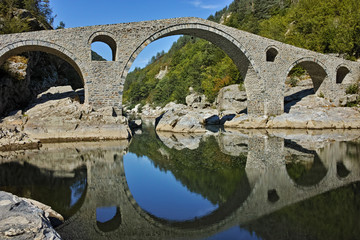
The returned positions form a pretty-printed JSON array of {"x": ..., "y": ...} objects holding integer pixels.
[{"x": 218, "y": 185}]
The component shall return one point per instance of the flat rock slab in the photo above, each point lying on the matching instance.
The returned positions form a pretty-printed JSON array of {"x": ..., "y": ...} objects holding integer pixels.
[{"x": 20, "y": 220}]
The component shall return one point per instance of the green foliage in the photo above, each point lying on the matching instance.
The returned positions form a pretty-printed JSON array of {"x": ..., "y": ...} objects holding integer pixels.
[
  {"x": 293, "y": 81},
  {"x": 61, "y": 25},
  {"x": 191, "y": 62},
  {"x": 319, "y": 25},
  {"x": 352, "y": 89},
  {"x": 96, "y": 57},
  {"x": 10, "y": 23}
]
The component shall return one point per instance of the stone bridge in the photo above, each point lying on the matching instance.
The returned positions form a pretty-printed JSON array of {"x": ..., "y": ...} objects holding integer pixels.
[
  {"x": 263, "y": 63},
  {"x": 266, "y": 189}
]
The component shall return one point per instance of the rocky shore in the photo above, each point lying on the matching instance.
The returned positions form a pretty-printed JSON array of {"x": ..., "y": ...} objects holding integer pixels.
[
  {"x": 303, "y": 110},
  {"x": 22, "y": 218},
  {"x": 57, "y": 116}
]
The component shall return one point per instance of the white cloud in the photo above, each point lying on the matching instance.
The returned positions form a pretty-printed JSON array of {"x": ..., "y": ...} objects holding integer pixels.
[{"x": 200, "y": 4}]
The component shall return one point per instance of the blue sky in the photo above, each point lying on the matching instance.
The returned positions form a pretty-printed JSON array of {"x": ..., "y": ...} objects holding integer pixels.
[{"x": 81, "y": 13}]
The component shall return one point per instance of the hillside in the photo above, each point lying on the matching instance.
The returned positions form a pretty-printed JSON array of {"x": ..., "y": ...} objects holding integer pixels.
[{"x": 318, "y": 25}]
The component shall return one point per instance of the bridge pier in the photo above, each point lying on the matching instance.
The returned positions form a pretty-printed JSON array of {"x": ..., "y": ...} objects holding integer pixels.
[{"x": 104, "y": 86}]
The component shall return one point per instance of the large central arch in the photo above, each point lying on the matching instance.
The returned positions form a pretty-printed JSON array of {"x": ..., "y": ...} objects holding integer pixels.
[{"x": 232, "y": 47}]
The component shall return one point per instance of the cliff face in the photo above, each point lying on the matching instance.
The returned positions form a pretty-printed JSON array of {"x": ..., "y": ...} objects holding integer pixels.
[{"x": 23, "y": 77}]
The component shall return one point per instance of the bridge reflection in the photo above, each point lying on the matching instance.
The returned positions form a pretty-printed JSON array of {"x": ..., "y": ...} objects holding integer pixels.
[{"x": 276, "y": 174}]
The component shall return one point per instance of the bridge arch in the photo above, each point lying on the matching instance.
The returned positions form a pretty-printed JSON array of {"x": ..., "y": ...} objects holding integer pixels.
[
  {"x": 342, "y": 72},
  {"x": 316, "y": 69},
  {"x": 47, "y": 47},
  {"x": 104, "y": 37},
  {"x": 271, "y": 53},
  {"x": 241, "y": 57}
]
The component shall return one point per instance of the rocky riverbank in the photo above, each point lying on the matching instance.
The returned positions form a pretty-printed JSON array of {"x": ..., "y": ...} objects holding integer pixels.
[
  {"x": 22, "y": 218},
  {"x": 303, "y": 110},
  {"x": 57, "y": 115}
]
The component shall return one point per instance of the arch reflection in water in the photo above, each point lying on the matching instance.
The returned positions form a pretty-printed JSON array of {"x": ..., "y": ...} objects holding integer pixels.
[
  {"x": 63, "y": 191},
  {"x": 161, "y": 194},
  {"x": 187, "y": 186},
  {"x": 305, "y": 171},
  {"x": 108, "y": 219}
]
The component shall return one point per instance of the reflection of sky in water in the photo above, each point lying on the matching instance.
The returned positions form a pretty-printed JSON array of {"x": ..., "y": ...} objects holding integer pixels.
[
  {"x": 77, "y": 189},
  {"x": 104, "y": 214},
  {"x": 234, "y": 233},
  {"x": 160, "y": 194}
]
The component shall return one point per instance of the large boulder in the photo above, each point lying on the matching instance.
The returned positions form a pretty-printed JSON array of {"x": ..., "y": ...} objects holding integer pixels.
[
  {"x": 22, "y": 219},
  {"x": 180, "y": 118},
  {"x": 231, "y": 99},
  {"x": 331, "y": 118},
  {"x": 196, "y": 100}
]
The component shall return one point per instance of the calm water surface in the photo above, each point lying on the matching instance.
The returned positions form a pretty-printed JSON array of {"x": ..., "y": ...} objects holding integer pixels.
[{"x": 213, "y": 186}]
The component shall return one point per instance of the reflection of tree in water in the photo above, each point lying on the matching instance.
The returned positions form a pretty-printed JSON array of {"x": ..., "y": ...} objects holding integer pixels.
[
  {"x": 332, "y": 215},
  {"x": 64, "y": 192},
  {"x": 305, "y": 173},
  {"x": 205, "y": 170}
]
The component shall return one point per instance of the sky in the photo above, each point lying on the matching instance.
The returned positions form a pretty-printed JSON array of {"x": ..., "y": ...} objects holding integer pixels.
[{"x": 80, "y": 13}]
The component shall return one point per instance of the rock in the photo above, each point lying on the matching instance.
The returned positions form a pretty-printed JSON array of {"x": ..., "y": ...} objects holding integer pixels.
[
  {"x": 246, "y": 121},
  {"x": 185, "y": 119},
  {"x": 57, "y": 115},
  {"x": 20, "y": 219},
  {"x": 107, "y": 111},
  {"x": 149, "y": 112},
  {"x": 196, "y": 100},
  {"x": 230, "y": 98},
  {"x": 11, "y": 138},
  {"x": 351, "y": 98},
  {"x": 162, "y": 73},
  {"x": 318, "y": 118}
]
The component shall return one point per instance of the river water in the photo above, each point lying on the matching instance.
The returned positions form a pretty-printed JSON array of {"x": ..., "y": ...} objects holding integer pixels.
[{"x": 218, "y": 185}]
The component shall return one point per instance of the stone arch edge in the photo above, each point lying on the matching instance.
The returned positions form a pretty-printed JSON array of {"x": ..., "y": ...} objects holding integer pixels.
[{"x": 183, "y": 26}]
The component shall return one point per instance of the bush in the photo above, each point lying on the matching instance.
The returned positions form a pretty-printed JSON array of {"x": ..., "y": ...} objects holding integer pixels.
[
  {"x": 293, "y": 81},
  {"x": 352, "y": 89}
]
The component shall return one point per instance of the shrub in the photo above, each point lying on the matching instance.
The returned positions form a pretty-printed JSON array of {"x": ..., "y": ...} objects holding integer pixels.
[
  {"x": 293, "y": 81},
  {"x": 352, "y": 89}
]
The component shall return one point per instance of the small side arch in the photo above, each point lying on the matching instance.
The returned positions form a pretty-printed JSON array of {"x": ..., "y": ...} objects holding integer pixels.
[
  {"x": 107, "y": 38},
  {"x": 271, "y": 53},
  {"x": 342, "y": 72},
  {"x": 316, "y": 69}
]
